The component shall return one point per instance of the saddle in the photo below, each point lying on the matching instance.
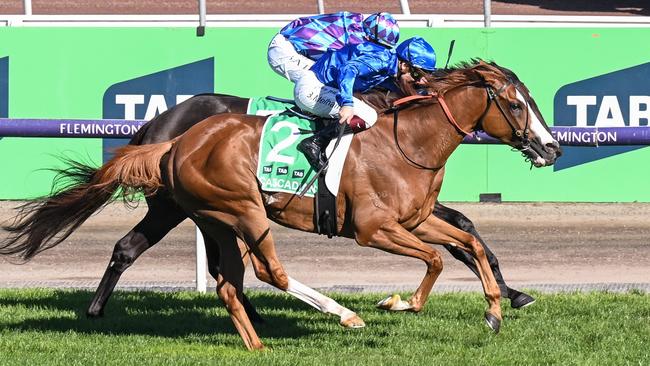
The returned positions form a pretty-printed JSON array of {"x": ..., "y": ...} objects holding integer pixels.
[{"x": 324, "y": 201}]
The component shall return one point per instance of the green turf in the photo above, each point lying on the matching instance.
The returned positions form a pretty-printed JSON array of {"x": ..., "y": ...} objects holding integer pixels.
[{"x": 151, "y": 328}]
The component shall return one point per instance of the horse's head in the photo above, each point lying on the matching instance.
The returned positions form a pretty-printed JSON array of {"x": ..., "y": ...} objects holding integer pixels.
[{"x": 512, "y": 116}]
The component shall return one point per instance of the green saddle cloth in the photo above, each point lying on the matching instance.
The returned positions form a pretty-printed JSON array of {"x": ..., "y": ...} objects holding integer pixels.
[{"x": 281, "y": 167}]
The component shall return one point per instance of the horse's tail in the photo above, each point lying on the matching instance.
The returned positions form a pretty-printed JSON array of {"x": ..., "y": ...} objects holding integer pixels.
[{"x": 80, "y": 190}]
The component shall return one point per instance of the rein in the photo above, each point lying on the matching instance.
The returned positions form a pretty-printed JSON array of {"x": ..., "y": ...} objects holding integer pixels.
[
  {"x": 491, "y": 97},
  {"x": 445, "y": 108},
  {"x": 402, "y": 102}
]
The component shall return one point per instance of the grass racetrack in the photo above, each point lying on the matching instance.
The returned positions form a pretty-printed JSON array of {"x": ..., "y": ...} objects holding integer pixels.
[{"x": 183, "y": 328}]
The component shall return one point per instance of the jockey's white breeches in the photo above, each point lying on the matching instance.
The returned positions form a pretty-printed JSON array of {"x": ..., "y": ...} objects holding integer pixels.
[
  {"x": 315, "y": 97},
  {"x": 285, "y": 60}
]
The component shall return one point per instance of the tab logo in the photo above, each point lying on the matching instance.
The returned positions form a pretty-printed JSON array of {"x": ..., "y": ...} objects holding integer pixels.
[
  {"x": 267, "y": 169},
  {"x": 282, "y": 170},
  {"x": 4, "y": 87},
  {"x": 617, "y": 99},
  {"x": 147, "y": 96},
  {"x": 300, "y": 173}
]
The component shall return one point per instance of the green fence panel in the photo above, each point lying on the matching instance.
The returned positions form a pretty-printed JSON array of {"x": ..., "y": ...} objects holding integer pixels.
[{"x": 65, "y": 73}]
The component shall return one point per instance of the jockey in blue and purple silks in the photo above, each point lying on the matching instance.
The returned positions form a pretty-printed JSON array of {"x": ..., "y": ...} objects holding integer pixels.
[
  {"x": 327, "y": 89},
  {"x": 295, "y": 48}
]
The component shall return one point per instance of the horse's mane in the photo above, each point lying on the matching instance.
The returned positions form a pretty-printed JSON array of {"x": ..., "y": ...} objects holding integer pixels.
[{"x": 439, "y": 82}]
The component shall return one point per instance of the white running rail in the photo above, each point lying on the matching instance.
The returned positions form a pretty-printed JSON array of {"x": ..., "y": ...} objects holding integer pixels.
[{"x": 279, "y": 20}]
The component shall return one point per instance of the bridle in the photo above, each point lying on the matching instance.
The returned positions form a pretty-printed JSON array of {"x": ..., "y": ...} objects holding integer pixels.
[
  {"x": 492, "y": 94},
  {"x": 521, "y": 134}
]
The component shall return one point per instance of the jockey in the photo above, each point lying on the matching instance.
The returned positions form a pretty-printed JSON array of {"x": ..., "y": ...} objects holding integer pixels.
[
  {"x": 327, "y": 89},
  {"x": 293, "y": 50}
]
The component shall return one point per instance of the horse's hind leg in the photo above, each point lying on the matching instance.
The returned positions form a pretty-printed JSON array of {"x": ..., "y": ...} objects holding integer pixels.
[
  {"x": 435, "y": 231},
  {"x": 517, "y": 299},
  {"x": 253, "y": 227},
  {"x": 226, "y": 237},
  {"x": 161, "y": 217},
  {"x": 225, "y": 255}
]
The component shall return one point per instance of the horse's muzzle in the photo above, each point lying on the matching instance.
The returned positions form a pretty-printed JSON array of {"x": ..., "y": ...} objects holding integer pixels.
[{"x": 543, "y": 155}]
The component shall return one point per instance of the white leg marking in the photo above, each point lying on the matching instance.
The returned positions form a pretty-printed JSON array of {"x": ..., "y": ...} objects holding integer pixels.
[{"x": 318, "y": 300}]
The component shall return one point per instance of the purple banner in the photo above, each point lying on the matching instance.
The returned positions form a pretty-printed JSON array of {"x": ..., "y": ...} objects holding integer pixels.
[
  {"x": 583, "y": 136},
  {"x": 15, "y": 127},
  {"x": 107, "y": 128}
]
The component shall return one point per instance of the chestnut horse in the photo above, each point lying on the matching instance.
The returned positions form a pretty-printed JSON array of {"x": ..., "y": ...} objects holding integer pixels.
[
  {"x": 163, "y": 214},
  {"x": 386, "y": 197}
]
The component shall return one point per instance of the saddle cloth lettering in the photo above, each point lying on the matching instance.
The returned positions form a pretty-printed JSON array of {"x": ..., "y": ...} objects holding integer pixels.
[{"x": 281, "y": 167}]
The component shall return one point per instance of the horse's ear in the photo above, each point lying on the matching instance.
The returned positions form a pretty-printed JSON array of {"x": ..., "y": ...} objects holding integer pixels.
[
  {"x": 480, "y": 76},
  {"x": 488, "y": 73},
  {"x": 488, "y": 76},
  {"x": 482, "y": 71}
]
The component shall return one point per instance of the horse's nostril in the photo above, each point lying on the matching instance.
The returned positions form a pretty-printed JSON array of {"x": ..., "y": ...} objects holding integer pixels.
[{"x": 554, "y": 147}]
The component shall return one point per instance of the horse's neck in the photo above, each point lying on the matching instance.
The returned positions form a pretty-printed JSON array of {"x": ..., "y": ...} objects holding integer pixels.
[
  {"x": 432, "y": 130},
  {"x": 426, "y": 137}
]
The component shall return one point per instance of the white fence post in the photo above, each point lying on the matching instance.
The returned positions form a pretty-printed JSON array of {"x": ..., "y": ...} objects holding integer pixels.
[
  {"x": 201, "y": 261},
  {"x": 200, "y": 30},
  {"x": 487, "y": 13},
  {"x": 405, "y": 7},
  {"x": 28, "y": 7}
]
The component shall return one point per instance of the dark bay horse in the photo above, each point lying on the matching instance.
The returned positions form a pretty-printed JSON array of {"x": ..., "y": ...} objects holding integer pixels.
[{"x": 385, "y": 200}]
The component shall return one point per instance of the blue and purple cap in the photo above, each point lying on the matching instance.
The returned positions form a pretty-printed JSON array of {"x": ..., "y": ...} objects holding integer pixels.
[{"x": 382, "y": 28}]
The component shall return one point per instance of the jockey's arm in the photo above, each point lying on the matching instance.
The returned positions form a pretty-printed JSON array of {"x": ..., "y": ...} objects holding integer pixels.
[{"x": 347, "y": 76}]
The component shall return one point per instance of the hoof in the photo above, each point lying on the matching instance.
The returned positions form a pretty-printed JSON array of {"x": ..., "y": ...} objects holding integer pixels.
[
  {"x": 394, "y": 303},
  {"x": 352, "y": 321},
  {"x": 521, "y": 301},
  {"x": 493, "y": 322},
  {"x": 258, "y": 348},
  {"x": 94, "y": 314}
]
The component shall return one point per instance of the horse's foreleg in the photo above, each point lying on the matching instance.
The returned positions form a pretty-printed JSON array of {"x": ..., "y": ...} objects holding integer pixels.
[
  {"x": 435, "y": 231},
  {"x": 393, "y": 238},
  {"x": 158, "y": 221},
  {"x": 461, "y": 222},
  {"x": 517, "y": 299}
]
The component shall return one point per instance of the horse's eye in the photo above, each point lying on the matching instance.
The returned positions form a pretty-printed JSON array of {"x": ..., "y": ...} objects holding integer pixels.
[{"x": 515, "y": 106}]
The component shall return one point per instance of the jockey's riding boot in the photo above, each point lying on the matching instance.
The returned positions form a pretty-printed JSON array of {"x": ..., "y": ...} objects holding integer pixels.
[{"x": 312, "y": 146}]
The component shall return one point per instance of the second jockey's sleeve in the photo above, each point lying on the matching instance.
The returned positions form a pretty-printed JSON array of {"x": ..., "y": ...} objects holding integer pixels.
[{"x": 348, "y": 73}]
